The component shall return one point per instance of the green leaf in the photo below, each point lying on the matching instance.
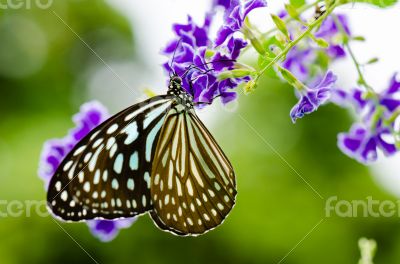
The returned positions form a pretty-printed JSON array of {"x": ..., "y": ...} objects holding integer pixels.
[
  {"x": 292, "y": 11},
  {"x": 379, "y": 3},
  {"x": 358, "y": 38},
  {"x": 280, "y": 24},
  {"x": 297, "y": 3},
  {"x": 372, "y": 61}
]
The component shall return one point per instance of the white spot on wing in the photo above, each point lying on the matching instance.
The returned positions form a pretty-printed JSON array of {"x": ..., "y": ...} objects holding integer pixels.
[
  {"x": 118, "y": 163},
  {"x": 134, "y": 161},
  {"x": 64, "y": 196},
  {"x": 112, "y": 129},
  {"x": 189, "y": 187},
  {"x": 132, "y": 131},
  {"x": 130, "y": 184},
  {"x": 68, "y": 165},
  {"x": 79, "y": 150}
]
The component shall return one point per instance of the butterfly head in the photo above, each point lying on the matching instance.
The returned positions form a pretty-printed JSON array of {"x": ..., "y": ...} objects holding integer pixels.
[
  {"x": 175, "y": 85},
  {"x": 182, "y": 97},
  {"x": 175, "y": 81}
]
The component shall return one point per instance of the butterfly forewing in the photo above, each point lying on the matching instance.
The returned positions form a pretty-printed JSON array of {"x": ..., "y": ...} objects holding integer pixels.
[
  {"x": 193, "y": 184},
  {"x": 107, "y": 174}
]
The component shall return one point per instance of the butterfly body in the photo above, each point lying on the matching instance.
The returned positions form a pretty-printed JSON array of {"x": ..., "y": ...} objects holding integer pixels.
[{"x": 156, "y": 157}]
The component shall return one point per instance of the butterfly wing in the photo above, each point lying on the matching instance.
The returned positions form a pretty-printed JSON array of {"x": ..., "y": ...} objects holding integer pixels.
[
  {"x": 193, "y": 184},
  {"x": 107, "y": 174}
]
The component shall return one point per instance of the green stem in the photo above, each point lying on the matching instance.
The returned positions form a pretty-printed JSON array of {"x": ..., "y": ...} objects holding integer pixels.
[
  {"x": 312, "y": 26},
  {"x": 362, "y": 80},
  {"x": 290, "y": 19},
  {"x": 361, "y": 77},
  {"x": 392, "y": 118}
]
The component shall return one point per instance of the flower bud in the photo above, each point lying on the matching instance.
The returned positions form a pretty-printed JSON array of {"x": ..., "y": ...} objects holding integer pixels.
[{"x": 250, "y": 87}]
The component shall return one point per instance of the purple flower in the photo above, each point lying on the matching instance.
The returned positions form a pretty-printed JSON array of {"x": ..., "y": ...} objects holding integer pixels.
[
  {"x": 297, "y": 61},
  {"x": 375, "y": 132},
  {"x": 200, "y": 65},
  {"x": 329, "y": 30},
  {"x": 54, "y": 151},
  {"x": 362, "y": 143},
  {"x": 189, "y": 38},
  {"x": 107, "y": 230},
  {"x": 389, "y": 99},
  {"x": 224, "y": 3},
  {"x": 234, "y": 18},
  {"x": 312, "y": 98}
]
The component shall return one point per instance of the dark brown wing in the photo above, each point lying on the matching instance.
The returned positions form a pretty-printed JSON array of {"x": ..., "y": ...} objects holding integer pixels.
[
  {"x": 193, "y": 185},
  {"x": 107, "y": 174}
]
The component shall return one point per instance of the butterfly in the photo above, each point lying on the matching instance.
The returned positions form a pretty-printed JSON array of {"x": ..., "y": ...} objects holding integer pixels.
[{"x": 154, "y": 157}]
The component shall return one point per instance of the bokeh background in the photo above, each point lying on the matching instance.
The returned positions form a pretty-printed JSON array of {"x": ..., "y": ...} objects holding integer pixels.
[{"x": 47, "y": 72}]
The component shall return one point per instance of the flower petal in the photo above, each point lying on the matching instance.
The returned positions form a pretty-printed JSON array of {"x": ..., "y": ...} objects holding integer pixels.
[
  {"x": 388, "y": 149},
  {"x": 303, "y": 107},
  {"x": 328, "y": 81},
  {"x": 394, "y": 86},
  {"x": 251, "y": 5},
  {"x": 223, "y": 34},
  {"x": 225, "y": 3},
  {"x": 107, "y": 230}
]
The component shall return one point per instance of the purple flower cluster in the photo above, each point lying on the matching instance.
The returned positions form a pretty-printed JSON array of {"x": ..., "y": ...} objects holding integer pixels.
[
  {"x": 374, "y": 132},
  {"x": 301, "y": 59},
  {"x": 54, "y": 151},
  {"x": 235, "y": 14},
  {"x": 200, "y": 60}
]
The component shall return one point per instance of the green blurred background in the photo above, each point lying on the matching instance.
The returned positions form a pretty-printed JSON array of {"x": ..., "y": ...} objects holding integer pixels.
[{"x": 44, "y": 70}]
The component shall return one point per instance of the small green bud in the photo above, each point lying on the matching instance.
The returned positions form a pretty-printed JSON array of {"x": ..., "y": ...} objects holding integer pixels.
[
  {"x": 322, "y": 43},
  {"x": 281, "y": 26},
  {"x": 319, "y": 41},
  {"x": 255, "y": 42},
  {"x": 290, "y": 78},
  {"x": 258, "y": 46},
  {"x": 358, "y": 38},
  {"x": 372, "y": 61},
  {"x": 250, "y": 87}
]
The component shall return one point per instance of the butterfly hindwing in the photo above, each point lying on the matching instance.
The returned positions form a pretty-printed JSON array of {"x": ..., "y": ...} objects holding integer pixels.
[
  {"x": 193, "y": 185},
  {"x": 107, "y": 174}
]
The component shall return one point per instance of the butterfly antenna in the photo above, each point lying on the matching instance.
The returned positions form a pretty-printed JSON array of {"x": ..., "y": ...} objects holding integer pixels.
[
  {"x": 193, "y": 66},
  {"x": 173, "y": 57}
]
